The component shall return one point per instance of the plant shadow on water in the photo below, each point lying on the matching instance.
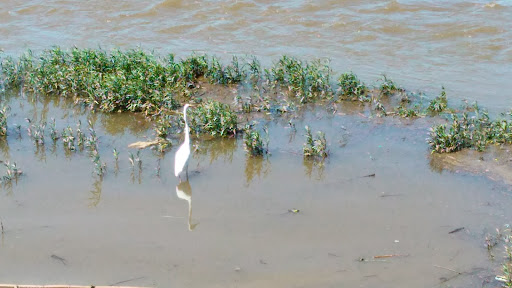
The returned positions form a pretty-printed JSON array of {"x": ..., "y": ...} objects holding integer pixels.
[{"x": 256, "y": 166}]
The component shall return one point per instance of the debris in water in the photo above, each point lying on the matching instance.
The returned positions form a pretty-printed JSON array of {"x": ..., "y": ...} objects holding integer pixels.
[
  {"x": 62, "y": 260},
  {"x": 456, "y": 230},
  {"x": 143, "y": 144},
  {"x": 389, "y": 256}
]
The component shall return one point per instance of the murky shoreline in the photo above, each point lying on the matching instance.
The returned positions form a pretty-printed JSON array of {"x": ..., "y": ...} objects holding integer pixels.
[{"x": 132, "y": 224}]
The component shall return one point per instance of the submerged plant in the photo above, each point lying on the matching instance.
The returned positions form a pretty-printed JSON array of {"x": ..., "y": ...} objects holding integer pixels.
[
  {"x": 351, "y": 87},
  {"x": 315, "y": 146},
  {"x": 12, "y": 171},
  {"x": 388, "y": 87},
  {"x": 440, "y": 103},
  {"x": 475, "y": 132},
  {"x": 3, "y": 120},
  {"x": 68, "y": 139},
  {"x": 253, "y": 142}
]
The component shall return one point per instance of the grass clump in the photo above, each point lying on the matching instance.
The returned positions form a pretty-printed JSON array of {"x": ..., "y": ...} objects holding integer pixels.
[
  {"x": 253, "y": 142},
  {"x": 315, "y": 147},
  {"x": 304, "y": 81},
  {"x": 15, "y": 72},
  {"x": 474, "y": 132},
  {"x": 214, "y": 118},
  {"x": 439, "y": 104},
  {"x": 3, "y": 120},
  {"x": 351, "y": 87},
  {"x": 12, "y": 172},
  {"x": 388, "y": 87},
  {"x": 231, "y": 74}
]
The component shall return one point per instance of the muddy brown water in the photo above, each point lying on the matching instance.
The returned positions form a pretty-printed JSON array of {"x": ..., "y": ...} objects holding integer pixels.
[
  {"x": 232, "y": 225},
  {"x": 422, "y": 45}
]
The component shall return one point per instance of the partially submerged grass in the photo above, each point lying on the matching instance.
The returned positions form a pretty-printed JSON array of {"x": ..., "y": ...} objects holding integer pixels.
[
  {"x": 440, "y": 103},
  {"x": 350, "y": 87},
  {"x": 138, "y": 81},
  {"x": 315, "y": 146},
  {"x": 465, "y": 131},
  {"x": 12, "y": 172},
  {"x": 388, "y": 87},
  {"x": 253, "y": 142},
  {"x": 3, "y": 120}
]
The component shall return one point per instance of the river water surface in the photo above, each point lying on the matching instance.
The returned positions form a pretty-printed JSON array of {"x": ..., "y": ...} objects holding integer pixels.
[
  {"x": 464, "y": 45},
  {"x": 280, "y": 221}
]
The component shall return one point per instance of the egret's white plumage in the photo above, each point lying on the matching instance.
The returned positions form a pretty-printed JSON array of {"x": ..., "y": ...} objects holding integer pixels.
[{"x": 183, "y": 153}]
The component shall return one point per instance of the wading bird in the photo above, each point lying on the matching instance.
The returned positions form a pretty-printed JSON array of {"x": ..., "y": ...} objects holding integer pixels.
[{"x": 183, "y": 153}]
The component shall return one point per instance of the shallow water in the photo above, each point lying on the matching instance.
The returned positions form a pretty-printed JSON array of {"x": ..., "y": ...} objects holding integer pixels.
[
  {"x": 64, "y": 224},
  {"x": 233, "y": 225},
  {"x": 422, "y": 45}
]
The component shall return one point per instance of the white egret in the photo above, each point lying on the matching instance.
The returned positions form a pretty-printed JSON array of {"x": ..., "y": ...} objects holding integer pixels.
[{"x": 183, "y": 153}]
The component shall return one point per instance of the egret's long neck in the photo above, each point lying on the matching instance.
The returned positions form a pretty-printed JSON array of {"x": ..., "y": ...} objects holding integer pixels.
[{"x": 187, "y": 130}]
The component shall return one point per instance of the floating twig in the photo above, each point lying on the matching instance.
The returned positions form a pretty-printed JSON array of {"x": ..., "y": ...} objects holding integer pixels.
[
  {"x": 389, "y": 256},
  {"x": 437, "y": 266},
  {"x": 456, "y": 230}
]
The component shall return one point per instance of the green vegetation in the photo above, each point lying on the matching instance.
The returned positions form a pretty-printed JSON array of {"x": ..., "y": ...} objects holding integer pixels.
[
  {"x": 214, "y": 118},
  {"x": 3, "y": 120},
  {"x": 12, "y": 172},
  {"x": 352, "y": 88},
  {"x": 304, "y": 81},
  {"x": 465, "y": 131},
  {"x": 388, "y": 87},
  {"x": 439, "y": 104},
  {"x": 315, "y": 147},
  {"x": 137, "y": 81},
  {"x": 253, "y": 143}
]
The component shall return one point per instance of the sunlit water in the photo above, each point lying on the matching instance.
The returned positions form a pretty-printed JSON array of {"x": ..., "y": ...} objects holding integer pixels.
[
  {"x": 465, "y": 46},
  {"x": 233, "y": 224}
]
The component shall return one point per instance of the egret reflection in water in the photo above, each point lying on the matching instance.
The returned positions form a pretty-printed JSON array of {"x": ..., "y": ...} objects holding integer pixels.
[{"x": 184, "y": 191}]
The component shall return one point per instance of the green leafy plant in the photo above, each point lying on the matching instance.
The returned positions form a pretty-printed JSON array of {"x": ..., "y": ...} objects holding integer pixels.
[
  {"x": 440, "y": 103},
  {"x": 388, "y": 87},
  {"x": 253, "y": 142},
  {"x": 3, "y": 120},
  {"x": 351, "y": 87},
  {"x": 315, "y": 146}
]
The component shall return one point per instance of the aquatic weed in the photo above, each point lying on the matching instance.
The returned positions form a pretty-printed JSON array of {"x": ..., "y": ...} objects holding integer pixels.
[
  {"x": 466, "y": 131},
  {"x": 3, "y": 119},
  {"x": 440, "y": 103},
  {"x": 253, "y": 142},
  {"x": 315, "y": 146},
  {"x": 350, "y": 87},
  {"x": 388, "y": 87}
]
